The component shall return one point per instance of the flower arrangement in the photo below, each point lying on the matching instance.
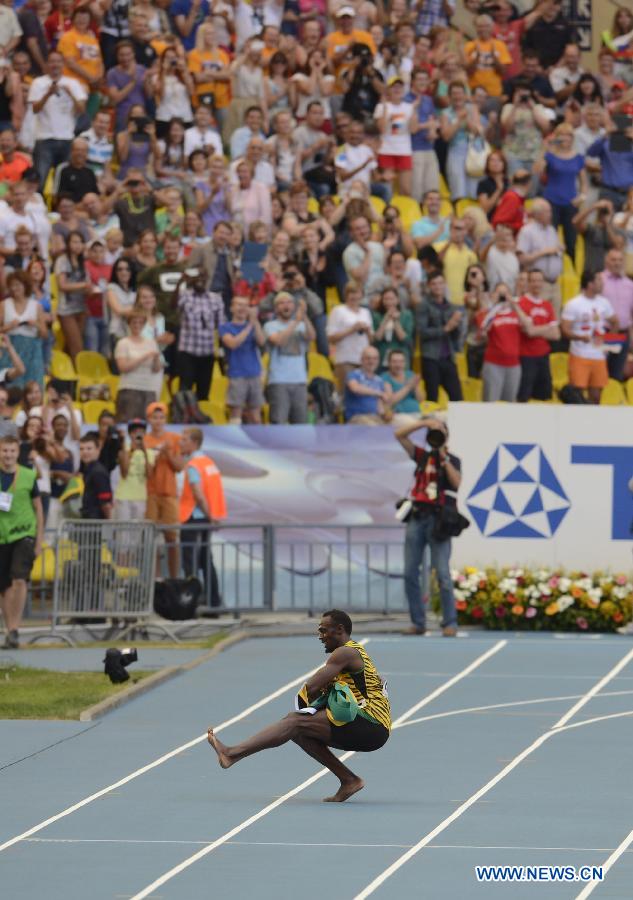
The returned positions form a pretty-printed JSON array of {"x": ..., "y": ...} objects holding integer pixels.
[{"x": 541, "y": 600}]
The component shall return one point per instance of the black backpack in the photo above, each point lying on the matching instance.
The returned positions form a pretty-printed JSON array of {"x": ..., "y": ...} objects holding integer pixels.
[
  {"x": 177, "y": 599},
  {"x": 322, "y": 392},
  {"x": 571, "y": 394}
]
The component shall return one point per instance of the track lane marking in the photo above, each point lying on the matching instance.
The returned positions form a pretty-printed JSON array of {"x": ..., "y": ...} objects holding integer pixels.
[
  {"x": 161, "y": 759},
  {"x": 445, "y": 823},
  {"x": 237, "y": 829}
]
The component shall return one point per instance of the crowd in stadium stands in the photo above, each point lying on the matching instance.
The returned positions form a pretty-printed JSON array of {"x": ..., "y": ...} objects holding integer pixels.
[{"x": 367, "y": 207}]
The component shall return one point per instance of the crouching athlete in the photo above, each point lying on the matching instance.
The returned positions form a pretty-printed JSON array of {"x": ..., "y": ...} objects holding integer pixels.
[{"x": 344, "y": 705}]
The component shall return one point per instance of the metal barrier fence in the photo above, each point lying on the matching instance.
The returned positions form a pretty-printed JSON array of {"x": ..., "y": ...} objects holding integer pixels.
[{"x": 257, "y": 568}]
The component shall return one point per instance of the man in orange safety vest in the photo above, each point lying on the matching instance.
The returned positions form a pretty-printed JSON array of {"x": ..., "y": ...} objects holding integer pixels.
[{"x": 202, "y": 504}]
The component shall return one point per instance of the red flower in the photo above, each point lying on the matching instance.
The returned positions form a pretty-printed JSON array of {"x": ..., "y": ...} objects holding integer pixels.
[
  {"x": 500, "y": 611},
  {"x": 461, "y": 605},
  {"x": 477, "y": 612}
]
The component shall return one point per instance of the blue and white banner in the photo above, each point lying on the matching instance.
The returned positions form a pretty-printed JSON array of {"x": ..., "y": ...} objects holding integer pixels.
[{"x": 545, "y": 484}]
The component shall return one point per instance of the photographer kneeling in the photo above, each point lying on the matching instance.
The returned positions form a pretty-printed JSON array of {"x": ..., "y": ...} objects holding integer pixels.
[{"x": 437, "y": 477}]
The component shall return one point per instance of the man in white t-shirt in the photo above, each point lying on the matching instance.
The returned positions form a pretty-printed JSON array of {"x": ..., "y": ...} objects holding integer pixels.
[
  {"x": 364, "y": 259},
  {"x": 394, "y": 118},
  {"x": 585, "y": 321},
  {"x": 355, "y": 161},
  {"x": 349, "y": 331},
  {"x": 15, "y": 214},
  {"x": 57, "y": 102},
  {"x": 201, "y": 135}
]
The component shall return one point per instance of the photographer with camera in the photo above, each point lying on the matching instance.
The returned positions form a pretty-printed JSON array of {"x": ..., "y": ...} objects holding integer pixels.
[
  {"x": 362, "y": 84},
  {"x": 431, "y": 519},
  {"x": 136, "y": 465}
]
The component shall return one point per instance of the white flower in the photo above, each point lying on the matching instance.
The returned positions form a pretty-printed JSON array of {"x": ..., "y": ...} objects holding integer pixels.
[
  {"x": 585, "y": 584},
  {"x": 542, "y": 574},
  {"x": 515, "y": 573},
  {"x": 565, "y": 602},
  {"x": 608, "y": 579},
  {"x": 620, "y": 592},
  {"x": 544, "y": 590},
  {"x": 595, "y": 594},
  {"x": 564, "y": 584}
]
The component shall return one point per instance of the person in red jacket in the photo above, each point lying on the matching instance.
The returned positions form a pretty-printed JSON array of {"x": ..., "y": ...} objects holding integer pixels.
[
  {"x": 536, "y": 377},
  {"x": 510, "y": 210}
]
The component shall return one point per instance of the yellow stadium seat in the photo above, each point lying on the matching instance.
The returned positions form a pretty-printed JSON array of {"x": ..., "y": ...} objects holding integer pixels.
[
  {"x": 580, "y": 254},
  {"x": 408, "y": 208},
  {"x": 442, "y": 399},
  {"x": 52, "y": 282},
  {"x": 58, "y": 334},
  {"x": 568, "y": 265},
  {"x": 462, "y": 205},
  {"x": 429, "y": 406},
  {"x": 92, "y": 409},
  {"x": 92, "y": 365},
  {"x": 559, "y": 367},
  {"x": 378, "y": 204},
  {"x": 48, "y": 188},
  {"x": 629, "y": 391},
  {"x": 462, "y": 365},
  {"x": 569, "y": 286},
  {"x": 319, "y": 367},
  {"x": 62, "y": 366},
  {"x": 444, "y": 191},
  {"x": 332, "y": 298},
  {"x": 472, "y": 389},
  {"x": 613, "y": 394},
  {"x": 219, "y": 387}
]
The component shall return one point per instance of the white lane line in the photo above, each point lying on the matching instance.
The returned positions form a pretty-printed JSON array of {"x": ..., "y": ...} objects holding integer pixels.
[
  {"x": 161, "y": 759},
  {"x": 474, "y": 709},
  {"x": 596, "y": 719},
  {"x": 223, "y": 839},
  {"x": 607, "y": 865},
  {"x": 444, "y": 824}
]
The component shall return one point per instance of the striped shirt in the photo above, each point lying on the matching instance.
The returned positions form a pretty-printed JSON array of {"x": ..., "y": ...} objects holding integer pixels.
[{"x": 370, "y": 691}]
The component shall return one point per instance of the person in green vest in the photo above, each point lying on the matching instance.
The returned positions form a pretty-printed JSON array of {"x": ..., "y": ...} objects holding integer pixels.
[{"x": 21, "y": 535}]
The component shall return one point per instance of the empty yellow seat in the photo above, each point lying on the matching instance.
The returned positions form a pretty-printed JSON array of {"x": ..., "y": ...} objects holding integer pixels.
[
  {"x": 559, "y": 367},
  {"x": 92, "y": 409},
  {"x": 613, "y": 394},
  {"x": 378, "y": 204},
  {"x": 472, "y": 389},
  {"x": 319, "y": 367},
  {"x": 92, "y": 365},
  {"x": 408, "y": 208},
  {"x": 62, "y": 366},
  {"x": 629, "y": 391}
]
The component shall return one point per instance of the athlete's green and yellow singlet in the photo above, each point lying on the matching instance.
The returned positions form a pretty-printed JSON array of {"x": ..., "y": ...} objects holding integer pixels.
[{"x": 370, "y": 691}]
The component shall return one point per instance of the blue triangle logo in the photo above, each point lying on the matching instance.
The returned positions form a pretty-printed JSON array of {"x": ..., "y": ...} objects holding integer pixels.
[
  {"x": 519, "y": 475},
  {"x": 489, "y": 475},
  {"x": 501, "y": 503},
  {"x": 548, "y": 479},
  {"x": 555, "y": 517},
  {"x": 517, "y": 529},
  {"x": 519, "y": 450},
  {"x": 480, "y": 516},
  {"x": 534, "y": 504}
]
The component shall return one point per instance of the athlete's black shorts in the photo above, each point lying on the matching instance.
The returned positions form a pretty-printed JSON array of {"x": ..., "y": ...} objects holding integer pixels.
[
  {"x": 361, "y": 735},
  {"x": 16, "y": 561}
]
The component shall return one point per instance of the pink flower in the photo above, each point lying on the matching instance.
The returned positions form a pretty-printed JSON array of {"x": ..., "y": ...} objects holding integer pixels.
[
  {"x": 582, "y": 623},
  {"x": 553, "y": 582},
  {"x": 620, "y": 579},
  {"x": 530, "y": 612},
  {"x": 500, "y": 611}
]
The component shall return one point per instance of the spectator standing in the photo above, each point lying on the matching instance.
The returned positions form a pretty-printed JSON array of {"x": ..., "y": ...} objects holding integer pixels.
[
  {"x": 14, "y": 164},
  {"x": 135, "y": 464},
  {"x": 63, "y": 469},
  {"x": 74, "y": 177},
  {"x": 616, "y": 170},
  {"x": 459, "y": 122},
  {"x": 201, "y": 314},
  {"x": 600, "y": 235},
  {"x": 126, "y": 84},
  {"x": 440, "y": 326},
  {"x": 349, "y": 331},
  {"x": 209, "y": 65},
  {"x": 249, "y": 199},
  {"x": 584, "y": 322},
  {"x": 536, "y": 377},
  {"x": 21, "y": 535},
  {"x": 406, "y": 390},
  {"x": 501, "y": 371},
  {"x": 252, "y": 127},
  {"x": 565, "y": 76},
  {"x": 502, "y": 263},
  {"x": 538, "y": 247},
  {"x": 618, "y": 290},
  {"x": 524, "y": 122},
  {"x": 172, "y": 89},
  {"x": 288, "y": 335},
  {"x": 476, "y": 299},
  {"x": 492, "y": 187},
  {"x": 23, "y": 318},
  {"x": 313, "y": 151},
  {"x": 549, "y": 34},
  {"x": 99, "y": 273},
  {"x": 74, "y": 286},
  {"x": 242, "y": 337},
  {"x": 140, "y": 364},
  {"x": 392, "y": 327},
  {"x": 424, "y": 130},
  {"x": 564, "y": 169},
  {"x": 487, "y": 58},
  {"x": 57, "y": 102},
  {"x": 162, "y": 493},
  {"x": 355, "y": 160},
  {"x": 202, "y": 508},
  {"x": 363, "y": 258},
  {"x": 82, "y": 58},
  {"x": 100, "y": 147},
  {"x": 188, "y": 16},
  {"x": 120, "y": 298},
  {"x": 395, "y": 118},
  {"x": 456, "y": 257},
  {"x": 135, "y": 207}
]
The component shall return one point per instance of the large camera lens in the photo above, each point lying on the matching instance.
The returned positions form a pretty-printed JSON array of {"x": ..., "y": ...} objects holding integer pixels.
[{"x": 436, "y": 438}]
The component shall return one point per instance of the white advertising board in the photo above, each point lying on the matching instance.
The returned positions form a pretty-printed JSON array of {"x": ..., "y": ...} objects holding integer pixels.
[{"x": 544, "y": 485}]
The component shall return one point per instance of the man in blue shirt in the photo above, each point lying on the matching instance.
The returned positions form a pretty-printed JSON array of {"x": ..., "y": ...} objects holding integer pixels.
[
  {"x": 188, "y": 16},
  {"x": 243, "y": 336},
  {"x": 617, "y": 169},
  {"x": 252, "y": 127},
  {"x": 288, "y": 335},
  {"x": 431, "y": 228},
  {"x": 426, "y": 172},
  {"x": 365, "y": 392}
]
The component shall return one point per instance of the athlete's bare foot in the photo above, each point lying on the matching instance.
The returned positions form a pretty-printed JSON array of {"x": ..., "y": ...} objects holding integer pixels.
[
  {"x": 346, "y": 790},
  {"x": 220, "y": 749}
]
